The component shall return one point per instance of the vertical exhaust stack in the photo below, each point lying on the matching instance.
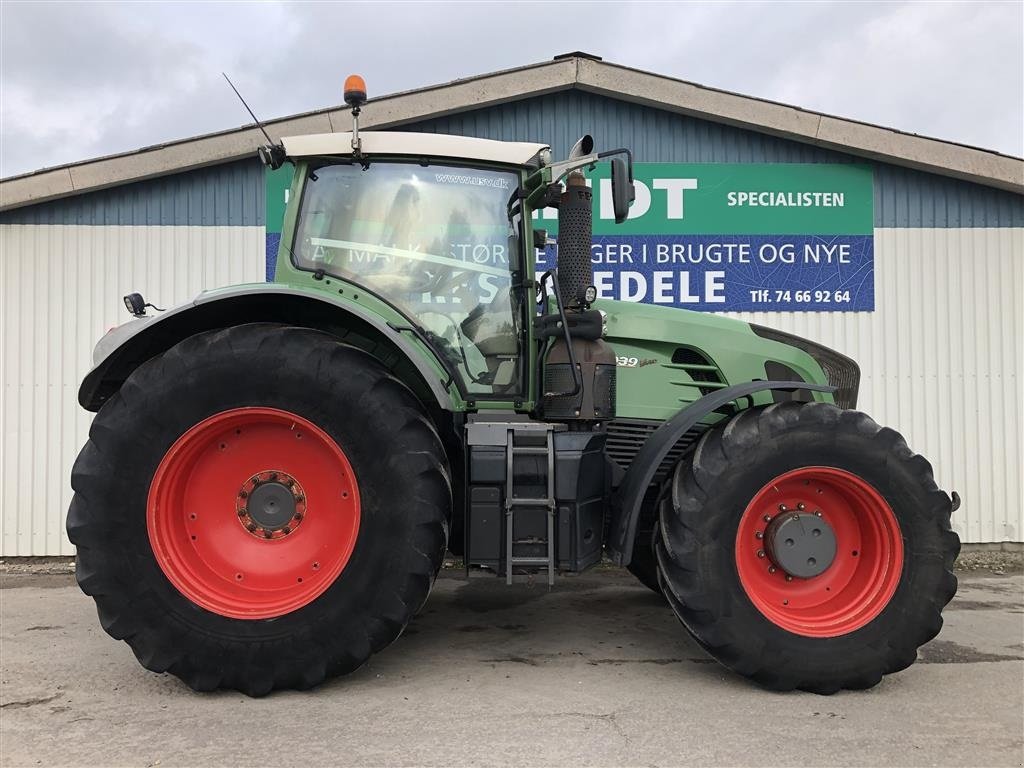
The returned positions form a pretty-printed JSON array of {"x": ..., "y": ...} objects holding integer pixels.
[
  {"x": 575, "y": 228},
  {"x": 584, "y": 397}
]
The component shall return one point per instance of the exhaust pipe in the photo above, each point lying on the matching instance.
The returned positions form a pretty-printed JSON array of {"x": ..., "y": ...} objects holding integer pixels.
[
  {"x": 575, "y": 237},
  {"x": 584, "y": 357}
]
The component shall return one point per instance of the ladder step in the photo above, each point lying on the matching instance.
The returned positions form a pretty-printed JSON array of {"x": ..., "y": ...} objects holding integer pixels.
[{"x": 548, "y": 503}]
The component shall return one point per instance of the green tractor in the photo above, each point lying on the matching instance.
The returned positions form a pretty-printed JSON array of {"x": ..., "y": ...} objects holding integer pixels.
[{"x": 275, "y": 471}]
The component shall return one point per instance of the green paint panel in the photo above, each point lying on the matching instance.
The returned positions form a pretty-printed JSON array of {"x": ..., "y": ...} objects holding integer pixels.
[{"x": 645, "y": 338}]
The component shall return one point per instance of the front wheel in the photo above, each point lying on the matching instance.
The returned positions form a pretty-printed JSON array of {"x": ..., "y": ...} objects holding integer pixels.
[
  {"x": 806, "y": 547},
  {"x": 260, "y": 507}
]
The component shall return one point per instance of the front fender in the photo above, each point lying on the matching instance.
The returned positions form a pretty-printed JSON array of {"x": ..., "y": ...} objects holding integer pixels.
[
  {"x": 126, "y": 347},
  {"x": 625, "y": 508}
]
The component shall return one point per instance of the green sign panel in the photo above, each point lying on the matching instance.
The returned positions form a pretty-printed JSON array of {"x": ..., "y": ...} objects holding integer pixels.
[{"x": 738, "y": 198}]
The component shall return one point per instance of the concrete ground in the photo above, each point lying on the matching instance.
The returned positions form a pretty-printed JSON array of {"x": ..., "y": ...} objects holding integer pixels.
[{"x": 597, "y": 672}]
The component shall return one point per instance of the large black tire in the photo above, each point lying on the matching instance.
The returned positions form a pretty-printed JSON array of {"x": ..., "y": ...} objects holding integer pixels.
[
  {"x": 697, "y": 546},
  {"x": 403, "y": 482}
]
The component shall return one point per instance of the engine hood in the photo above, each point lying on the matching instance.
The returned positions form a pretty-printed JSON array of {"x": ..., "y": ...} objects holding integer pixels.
[{"x": 668, "y": 358}]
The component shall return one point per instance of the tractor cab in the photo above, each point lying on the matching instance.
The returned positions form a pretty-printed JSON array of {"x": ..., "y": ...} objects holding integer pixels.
[
  {"x": 423, "y": 222},
  {"x": 440, "y": 228}
]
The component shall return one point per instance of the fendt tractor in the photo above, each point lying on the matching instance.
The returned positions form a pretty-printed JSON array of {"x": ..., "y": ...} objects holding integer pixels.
[{"x": 275, "y": 471}]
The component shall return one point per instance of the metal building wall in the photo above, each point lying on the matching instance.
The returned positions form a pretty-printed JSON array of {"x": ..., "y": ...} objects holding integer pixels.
[
  {"x": 941, "y": 355},
  {"x": 63, "y": 270}
]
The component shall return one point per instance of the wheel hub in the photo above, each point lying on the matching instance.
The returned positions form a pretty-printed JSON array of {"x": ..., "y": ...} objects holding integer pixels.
[
  {"x": 857, "y": 551},
  {"x": 800, "y": 543},
  {"x": 247, "y": 542},
  {"x": 271, "y": 504}
]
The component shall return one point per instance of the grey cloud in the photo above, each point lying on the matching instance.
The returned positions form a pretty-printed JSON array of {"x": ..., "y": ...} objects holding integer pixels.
[{"x": 79, "y": 81}]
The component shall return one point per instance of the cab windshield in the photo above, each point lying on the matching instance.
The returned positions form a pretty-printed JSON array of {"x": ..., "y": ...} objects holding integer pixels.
[{"x": 436, "y": 242}]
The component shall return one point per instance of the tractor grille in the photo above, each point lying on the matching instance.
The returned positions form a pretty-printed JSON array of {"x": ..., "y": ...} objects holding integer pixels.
[
  {"x": 625, "y": 436},
  {"x": 699, "y": 367}
]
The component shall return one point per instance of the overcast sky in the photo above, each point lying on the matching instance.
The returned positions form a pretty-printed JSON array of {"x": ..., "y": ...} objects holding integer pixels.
[{"x": 81, "y": 80}]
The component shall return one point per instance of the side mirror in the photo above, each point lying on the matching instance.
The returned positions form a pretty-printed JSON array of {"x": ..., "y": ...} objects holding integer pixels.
[{"x": 623, "y": 191}]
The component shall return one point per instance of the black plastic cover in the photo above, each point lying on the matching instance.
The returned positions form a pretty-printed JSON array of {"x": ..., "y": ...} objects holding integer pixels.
[{"x": 842, "y": 372}]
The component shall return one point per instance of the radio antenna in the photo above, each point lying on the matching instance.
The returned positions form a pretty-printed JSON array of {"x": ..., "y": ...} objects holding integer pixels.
[{"x": 254, "y": 118}]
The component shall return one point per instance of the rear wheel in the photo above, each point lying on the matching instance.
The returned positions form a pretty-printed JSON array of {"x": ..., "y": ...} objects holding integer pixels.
[
  {"x": 806, "y": 547},
  {"x": 259, "y": 508}
]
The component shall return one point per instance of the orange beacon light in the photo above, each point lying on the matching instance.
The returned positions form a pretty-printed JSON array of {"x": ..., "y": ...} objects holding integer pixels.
[{"x": 355, "y": 91}]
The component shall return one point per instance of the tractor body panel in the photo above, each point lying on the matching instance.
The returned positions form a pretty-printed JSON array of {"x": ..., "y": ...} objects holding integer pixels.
[
  {"x": 669, "y": 358},
  {"x": 358, "y": 318}
]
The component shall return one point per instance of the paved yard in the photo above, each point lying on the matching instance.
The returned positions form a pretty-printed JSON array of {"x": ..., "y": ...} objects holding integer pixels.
[{"x": 597, "y": 672}]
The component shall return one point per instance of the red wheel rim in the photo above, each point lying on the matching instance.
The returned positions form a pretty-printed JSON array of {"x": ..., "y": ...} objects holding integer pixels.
[
  {"x": 207, "y": 540},
  {"x": 866, "y": 569}
]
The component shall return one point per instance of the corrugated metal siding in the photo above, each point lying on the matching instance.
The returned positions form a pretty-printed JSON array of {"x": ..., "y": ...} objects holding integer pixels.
[
  {"x": 903, "y": 197},
  {"x": 941, "y": 356},
  {"x": 62, "y": 289},
  {"x": 941, "y": 360},
  {"x": 232, "y": 194}
]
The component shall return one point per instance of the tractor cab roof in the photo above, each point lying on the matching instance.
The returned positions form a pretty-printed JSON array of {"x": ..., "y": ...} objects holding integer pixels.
[{"x": 416, "y": 144}]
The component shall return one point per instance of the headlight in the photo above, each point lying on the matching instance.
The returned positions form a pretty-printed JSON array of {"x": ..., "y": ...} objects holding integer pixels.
[{"x": 841, "y": 372}]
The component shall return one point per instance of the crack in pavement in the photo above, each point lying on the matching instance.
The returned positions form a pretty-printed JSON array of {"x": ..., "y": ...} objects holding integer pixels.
[{"x": 29, "y": 702}]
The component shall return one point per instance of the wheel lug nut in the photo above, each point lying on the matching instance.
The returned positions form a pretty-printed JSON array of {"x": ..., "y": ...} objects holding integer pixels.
[
  {"x": 772, "y": 569},
  {"x": 286, "y": 530},
  {"x": 782, "y": 507},
  {"x": 817, "y": 513},
  {"x": 767, "y": 518},
  {"x": 241, "y": 513},
  {"x": 298, "y": 515},
  {"x": 760, "y": 553},
  {"x": 788, "y": 577},
  {"x": 267, "y": 534},
  {"x": 242, "y": 494},
  {"x": 800, "y": 506},
  {"x": 759, "y": 535},
  {"x": 251, "y": 527}
]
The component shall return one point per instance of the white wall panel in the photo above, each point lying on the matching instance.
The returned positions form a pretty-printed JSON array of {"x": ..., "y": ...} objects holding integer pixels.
[
  {"x": 941, "y": 356},
  {"x": 60, "y": 290},
  {"x": 941, "y": 362}
]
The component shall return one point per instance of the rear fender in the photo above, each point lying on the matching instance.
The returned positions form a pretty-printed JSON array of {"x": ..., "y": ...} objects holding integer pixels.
[
  {"x": 625, "y": 506},
  {"x": 126, "y": 347}
]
